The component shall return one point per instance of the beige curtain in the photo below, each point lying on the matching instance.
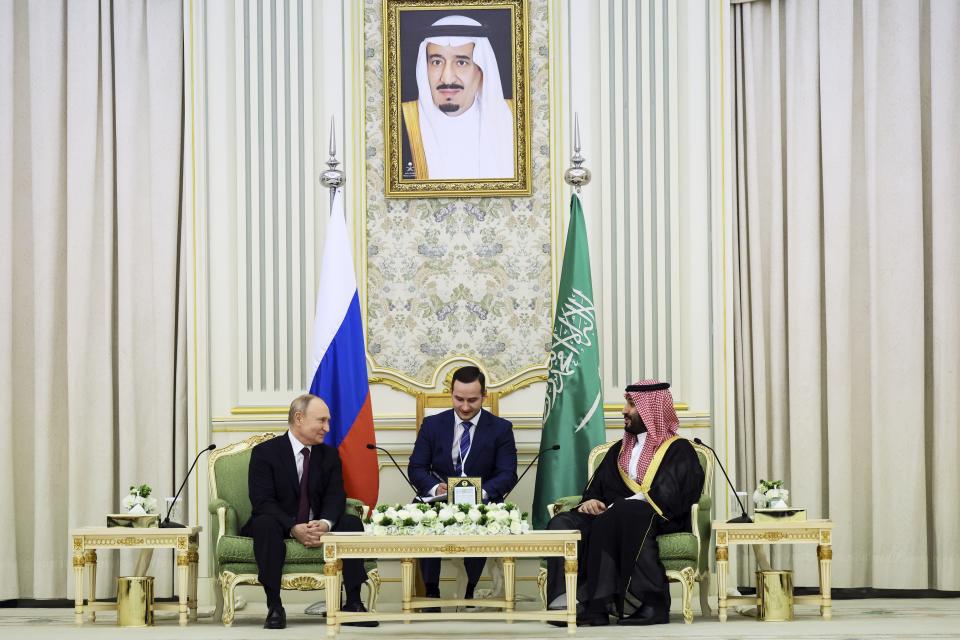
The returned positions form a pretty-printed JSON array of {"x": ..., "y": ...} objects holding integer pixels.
[
  {"x": 91, "y": 340},
  {"x": 847, "y": 277}
]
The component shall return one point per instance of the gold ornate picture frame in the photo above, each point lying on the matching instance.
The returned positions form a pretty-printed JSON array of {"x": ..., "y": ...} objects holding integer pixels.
[{"x": 418, "y": 133}]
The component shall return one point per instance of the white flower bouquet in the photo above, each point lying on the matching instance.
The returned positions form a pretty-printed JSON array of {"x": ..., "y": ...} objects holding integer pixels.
[
  {"x": 436, "y": 518},
  {"x": 138, "y": 501},
  {"x": 770, "y": 494}
]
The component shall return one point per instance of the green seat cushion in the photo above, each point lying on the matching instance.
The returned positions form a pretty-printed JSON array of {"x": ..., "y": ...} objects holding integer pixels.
[
  {"x": 678, "y": 546},
  {"x": 234, "y": 549}
]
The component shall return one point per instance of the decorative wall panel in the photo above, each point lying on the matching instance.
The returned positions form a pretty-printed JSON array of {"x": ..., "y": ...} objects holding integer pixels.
[
  {"x": 276, "y": 183},
  {"x": 638, "y": 188},
  {"x": 458, "y": 277}
]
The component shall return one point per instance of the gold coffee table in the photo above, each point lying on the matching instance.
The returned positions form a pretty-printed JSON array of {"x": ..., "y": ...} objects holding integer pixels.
[
  {"x": 538, "y": 544},
  {"x": 87, "y": 540},
  {"x": 809, "y": 532}
]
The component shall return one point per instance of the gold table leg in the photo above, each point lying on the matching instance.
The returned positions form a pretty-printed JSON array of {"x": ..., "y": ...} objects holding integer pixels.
[
  {"x": 406, "y": 584},
  {"x": 194, "y": 557},
  {"x": 332, "y": 569},
  {"x": 570, "y": 579},
  {"x": 825, "y": 556},
  {"x": 183, "y": 580},
  {"x": 78, "y": 582},
  {"x": 90, "y": 559},
  {"x": 509, "y": 583},
  {"x": 722, "y": 559}
]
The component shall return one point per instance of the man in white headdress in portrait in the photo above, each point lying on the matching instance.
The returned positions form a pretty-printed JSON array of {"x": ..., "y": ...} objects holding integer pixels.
[{"x": 460, "y": 126}]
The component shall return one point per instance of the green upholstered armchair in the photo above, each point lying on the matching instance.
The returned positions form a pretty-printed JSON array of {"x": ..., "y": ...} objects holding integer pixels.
[
  {"x": 685, "y": 555},
  {"x": 230, "y": 504}
]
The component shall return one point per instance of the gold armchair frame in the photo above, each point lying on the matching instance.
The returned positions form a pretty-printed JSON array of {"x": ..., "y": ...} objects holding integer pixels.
[{"x": 441, "y": 400}]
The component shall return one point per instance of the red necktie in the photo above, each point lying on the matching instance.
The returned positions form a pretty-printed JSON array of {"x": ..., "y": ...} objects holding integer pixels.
[{"x": 303, "y": 513}]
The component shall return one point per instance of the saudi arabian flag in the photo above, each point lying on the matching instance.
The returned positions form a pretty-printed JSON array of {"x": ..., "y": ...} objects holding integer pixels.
[{"x": 573, "y": 407}]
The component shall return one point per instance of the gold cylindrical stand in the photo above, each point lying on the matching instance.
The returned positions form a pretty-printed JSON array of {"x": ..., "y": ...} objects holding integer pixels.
[
  {"x": 135, "y": 601},
  {"x": 775, "y": 596}
]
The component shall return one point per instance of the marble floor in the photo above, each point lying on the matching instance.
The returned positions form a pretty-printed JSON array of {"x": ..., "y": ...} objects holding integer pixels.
[{"x": 893, "y": 619}]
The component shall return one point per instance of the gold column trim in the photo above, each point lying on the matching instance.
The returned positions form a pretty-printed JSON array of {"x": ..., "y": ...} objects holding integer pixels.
[
  {"x": 332, "y": 568},
  {"x": 255, "y": 410},
  {"x": 570, "y": 566},
  {"x": 824, "y": 553},
  {"x": 722, "y": 554}
]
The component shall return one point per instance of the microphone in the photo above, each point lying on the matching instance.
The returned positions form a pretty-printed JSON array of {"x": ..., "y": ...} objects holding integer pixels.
[
  {"x": 416, "y": 493},
  {"x": 555, "y": 447},
  {"x": 743, "y": 517},
  {"x": 165, "y": 523}
]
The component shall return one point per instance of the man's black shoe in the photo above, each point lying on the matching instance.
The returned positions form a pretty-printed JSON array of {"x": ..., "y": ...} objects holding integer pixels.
[
  {"x": 357, "y": 607},
  {"x": 647, "y": 615},
  {"x": 276, "y": 618},
  {"x": 586, "y": 619}
]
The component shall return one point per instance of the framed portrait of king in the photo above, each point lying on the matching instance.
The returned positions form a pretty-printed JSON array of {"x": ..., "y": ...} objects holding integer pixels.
[{"x": 457, "y": 99}]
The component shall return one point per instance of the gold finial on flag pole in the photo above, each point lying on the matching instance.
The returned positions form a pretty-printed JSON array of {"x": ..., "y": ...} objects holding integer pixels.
[
  {"x": 332, "y": 178},
  {"x": 576, "y": 176}
]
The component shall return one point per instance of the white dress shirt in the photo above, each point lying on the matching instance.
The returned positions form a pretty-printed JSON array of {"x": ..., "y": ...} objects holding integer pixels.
[{"x": 632, "y": 469}]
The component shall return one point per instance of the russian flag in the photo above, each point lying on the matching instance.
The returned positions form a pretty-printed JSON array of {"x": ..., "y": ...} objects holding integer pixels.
[{"x": 340, "y": 360}]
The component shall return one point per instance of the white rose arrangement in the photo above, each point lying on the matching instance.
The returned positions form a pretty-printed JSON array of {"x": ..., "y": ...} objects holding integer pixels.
[
  {"x": 771, "y": 494},
  {"x": 461, "y": 519},
  {"x": 138, "y": 501}
]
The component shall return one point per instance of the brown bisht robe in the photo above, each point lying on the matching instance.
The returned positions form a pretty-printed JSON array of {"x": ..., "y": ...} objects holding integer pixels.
[{"x": 619, "y": 560}]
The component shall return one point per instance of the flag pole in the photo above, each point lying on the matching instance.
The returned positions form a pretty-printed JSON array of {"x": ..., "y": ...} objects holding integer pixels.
[
  {"x": 573, "y": 399},
  {"x": 577, "y": 176},
  {"x": 332, "y": 178}
]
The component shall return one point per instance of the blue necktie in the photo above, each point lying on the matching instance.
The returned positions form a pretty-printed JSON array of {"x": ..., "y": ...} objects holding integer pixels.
[{"x": 464, "y": 446}]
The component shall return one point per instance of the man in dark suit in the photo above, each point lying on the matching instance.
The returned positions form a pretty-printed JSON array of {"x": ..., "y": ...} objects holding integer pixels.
[
  {"x": 296, "y": 490},
  {"x": 463, "y": 441}
]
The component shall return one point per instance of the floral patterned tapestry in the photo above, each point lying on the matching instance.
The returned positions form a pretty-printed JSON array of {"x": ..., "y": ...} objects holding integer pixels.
[{"x": 458, "y": 277}]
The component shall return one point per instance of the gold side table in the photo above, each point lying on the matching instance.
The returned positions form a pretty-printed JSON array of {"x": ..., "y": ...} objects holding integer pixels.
[
  {"x": 809, "y": 532},
  {"x": 86, "y": 541}
]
